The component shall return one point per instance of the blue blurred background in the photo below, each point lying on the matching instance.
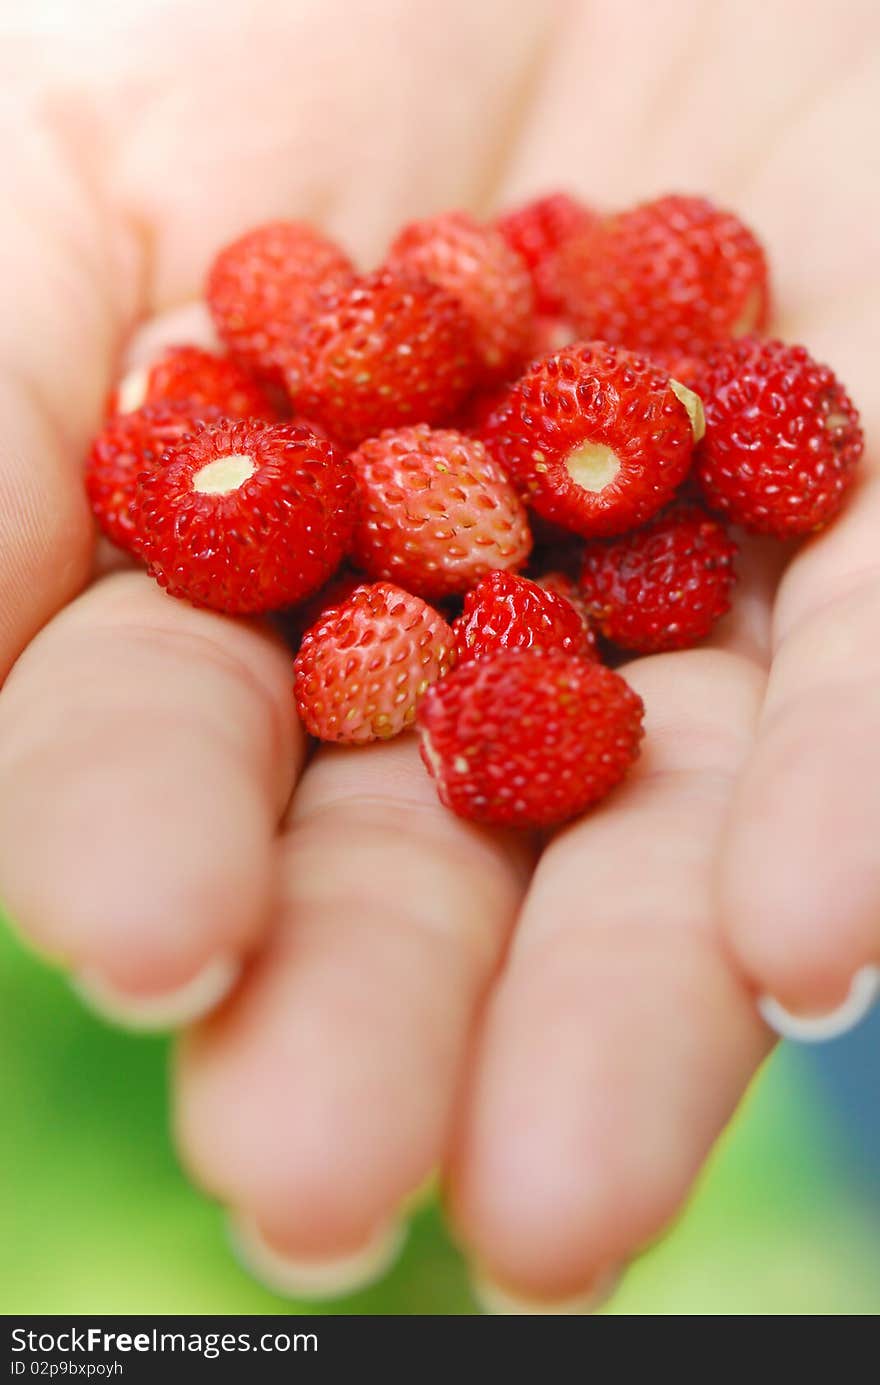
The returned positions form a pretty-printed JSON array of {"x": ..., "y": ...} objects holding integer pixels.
[{"x": 95, "y": 1216}]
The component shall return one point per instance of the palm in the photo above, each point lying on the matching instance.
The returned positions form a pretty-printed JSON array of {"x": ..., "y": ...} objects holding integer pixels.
[{"x": 356, "y": 1055}]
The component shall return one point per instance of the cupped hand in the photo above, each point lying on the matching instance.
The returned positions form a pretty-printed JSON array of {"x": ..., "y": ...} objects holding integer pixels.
[{"x": 406, "y": 993}]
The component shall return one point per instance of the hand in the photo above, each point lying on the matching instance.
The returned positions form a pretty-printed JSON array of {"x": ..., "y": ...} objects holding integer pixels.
[{"x": 148, "y": 751}]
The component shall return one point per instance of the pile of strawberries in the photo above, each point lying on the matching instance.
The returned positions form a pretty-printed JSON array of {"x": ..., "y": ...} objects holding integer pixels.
[{"x": 586, "y": 398}]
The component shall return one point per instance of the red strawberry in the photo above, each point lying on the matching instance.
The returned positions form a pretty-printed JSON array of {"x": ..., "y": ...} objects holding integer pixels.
[
  {"x": 246, "y": 516},
  {"x": 782, "y": 438},
  {"x": 187, "y": 374},
  {"x": 508, "y": 612},
  {"x": 127, "y": 445},
  {"x": 664, "y": 586},
  {"x": 528, "y": 739},
  {"x": 435, "y": 512},
  {"x": 684, "y": 368},
  {"x": 561, "y": 585},
  {"x": 475, "y": 264},
  {"x": 391, "y": 350},
  {"x": 263, "y": 288},
  {"x": 363, "y": 668},
  {"x": 536, "y": 231},
  {"x": 676, "y": 273},
  {"x": 598, "y": 439}
]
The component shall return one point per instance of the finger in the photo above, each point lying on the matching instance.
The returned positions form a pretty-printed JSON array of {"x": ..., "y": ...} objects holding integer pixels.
[
  {"x": 675, "y": 82},
  {"x": 619, "y": 1039},
  {"x": 376, "y": 60},
  {"x": 747, "y": 628},
  {"x": 321, "y": 1098},
  {"x": 66, "y": 306},
  {"x": 800, "y": 874},
  {"x": 147, "y": 750}
]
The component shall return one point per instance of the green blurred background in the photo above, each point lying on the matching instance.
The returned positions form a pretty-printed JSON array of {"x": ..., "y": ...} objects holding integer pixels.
[{"x": 95, "y": 1216}]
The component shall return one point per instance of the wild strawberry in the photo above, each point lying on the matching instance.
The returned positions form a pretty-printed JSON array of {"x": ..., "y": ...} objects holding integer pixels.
[
  {"x": 508, "y": 612},
  {"x": 525, "y": 738},
  {"x": 782, "y": 438},
  {"x": 561, "y": 585},
  {"x": 391, "y": 350},
  {"x": 595, "y": 437},
  {"x": 264, "y": 287},
  {"x": 537, "y": 231},
  {"x": 246, "y": 516},
  {"x": 127, "y": 445},
  {"x": 363, "y": 668},
  {"x": 475, "y": 264},
  {"x": 677, "y": 273},
  {"x": 678, "y": 365},
  {"x": 663, "y": 586},
  {"x": 435, "y": 512},
  {"x": 188, "y": 375}
]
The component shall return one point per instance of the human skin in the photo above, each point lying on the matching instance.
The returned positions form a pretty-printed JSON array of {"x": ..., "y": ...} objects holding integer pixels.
[{"x": 564, "y": 1038}]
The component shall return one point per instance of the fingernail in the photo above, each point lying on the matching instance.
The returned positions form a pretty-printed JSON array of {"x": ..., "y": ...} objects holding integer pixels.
[
  {"x": 315, "y": 1278},
  {"x": 171, "y": 1009},
  {"x": 498, "y": 1301},
  {"x": 814, "y": 1029}
]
